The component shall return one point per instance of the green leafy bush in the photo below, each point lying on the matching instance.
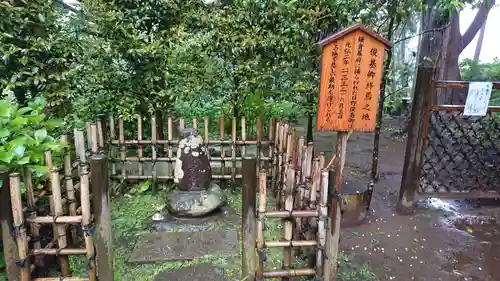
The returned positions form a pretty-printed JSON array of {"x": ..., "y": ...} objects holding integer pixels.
[{"x": 25, "y": 135}]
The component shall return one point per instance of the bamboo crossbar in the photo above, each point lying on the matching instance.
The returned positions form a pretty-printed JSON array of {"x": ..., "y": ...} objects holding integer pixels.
[
  {"x": 54, "y": 219},
  {"x": 290, "y": 273},
  {"x": 291, "y": 243},
  {"x": 292, "y": 214},
  {"x": 57, "y": 252},
  {"x": 166, "y": 178},
  {"x": 62, "y": 279},
  {"x": 172, "y": 159},
  {"x": 175, "y": 142}
]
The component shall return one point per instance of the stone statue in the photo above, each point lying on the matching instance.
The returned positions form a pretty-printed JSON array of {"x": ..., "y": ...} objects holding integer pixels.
[{"x": 197, "y": 194}]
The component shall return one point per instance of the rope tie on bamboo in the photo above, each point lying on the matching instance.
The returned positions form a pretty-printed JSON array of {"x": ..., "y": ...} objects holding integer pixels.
[
  {"x": 22, "y": 263},
  {"x": 262, "y": 255},
  {"x": 17, "y": 231}
]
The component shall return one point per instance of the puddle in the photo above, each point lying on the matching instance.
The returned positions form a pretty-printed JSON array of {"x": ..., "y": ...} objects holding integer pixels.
[{"x": 482, "y": 261}]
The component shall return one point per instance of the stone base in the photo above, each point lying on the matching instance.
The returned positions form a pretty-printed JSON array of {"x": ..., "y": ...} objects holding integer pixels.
[
  {"x": 223, "y": 218},
  {"x": 355, "y": 203}
]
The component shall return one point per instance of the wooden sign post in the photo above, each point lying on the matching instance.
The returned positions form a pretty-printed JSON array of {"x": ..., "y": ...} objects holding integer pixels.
[{"x": 351, "y": 75}]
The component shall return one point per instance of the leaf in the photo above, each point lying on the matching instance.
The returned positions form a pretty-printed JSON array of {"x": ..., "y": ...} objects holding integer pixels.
[
  {"x": 23, "y": 161},
  {"x": 4, "y": 132},
  {"x": 18, "y": 150},
  {"x": 6, "y": 156},
  {"x": 40, "y": 135},
  {"x": 40, "y": 170},
  {"x": 5, "y": 108},
  {"x": 19, "y": 121},
  {"x": 22, "y": 111},
  {"x": 145, "y": 186}
]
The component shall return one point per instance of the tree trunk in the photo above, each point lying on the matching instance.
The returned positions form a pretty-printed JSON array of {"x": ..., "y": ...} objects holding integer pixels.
[{"x": 479, "y": 44}]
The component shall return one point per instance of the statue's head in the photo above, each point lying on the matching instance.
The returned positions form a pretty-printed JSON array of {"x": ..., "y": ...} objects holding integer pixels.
[{"x": 189, "y": 132}]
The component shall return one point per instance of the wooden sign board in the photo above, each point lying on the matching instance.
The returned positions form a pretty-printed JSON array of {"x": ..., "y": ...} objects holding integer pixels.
[{"x": 351, "y": 74}]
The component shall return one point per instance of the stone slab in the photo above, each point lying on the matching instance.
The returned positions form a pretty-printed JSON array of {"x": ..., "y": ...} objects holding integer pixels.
[
  {"x": 223, "y": 219},
  {"x": 201, "y": 272},
  {"x": 178, "y": 246}
]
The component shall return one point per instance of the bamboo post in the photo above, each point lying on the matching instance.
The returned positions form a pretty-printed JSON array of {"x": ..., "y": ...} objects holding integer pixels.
[
  {"x": 123, "y": 152},
  {"x": 112, "y": 135},
  {"x": 205, "y": 132},
  {"x": 233, "y": 150},
  {"x": 68, "y": 182},
  {"x": 85, "y": 203},
  {"x": 271, "y": 140},
  {"x": 195, "y": 124},
  {"x": 260, "y": 223},
  {"x": 10, "y": 249},
  {"x": 170, "y": 136},
  {"x": 139, "y": 146},
  {"x": 60, "y": 230},
  {"x": 259, "y": 143},
  {"x": 322, "y": 219},
  {"x": 289, "y": 187},
  {"x": 222, "y": 151},
  {"x": 249, "y": 261},
  {"x": 100, "y": 197},
  {"x": 94, "y": 141},
  {"x": 100, "y": 136},
  {"x": 313, "y": 222},
  {"x": 153, "y": 151},
  {"x": 103, "y": 133},
  {"x": 19, "y": 229},
  {"x": 244, "y": 137},
  {"x": 181, "y": 124},
  {"x": 88, "y": 130},
  {"x": 275, "y": 182},
  {"x": 333, "y": 228}
]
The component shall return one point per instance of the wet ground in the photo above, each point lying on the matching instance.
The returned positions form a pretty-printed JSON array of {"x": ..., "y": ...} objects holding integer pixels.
[{"x": 446, "y": 240}]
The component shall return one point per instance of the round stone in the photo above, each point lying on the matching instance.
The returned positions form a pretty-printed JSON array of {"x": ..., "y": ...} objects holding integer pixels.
[{"x": 196, "y": 203}]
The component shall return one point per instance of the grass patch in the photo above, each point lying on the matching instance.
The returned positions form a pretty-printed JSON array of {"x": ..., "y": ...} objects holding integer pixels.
[{"x": 352, "y": 270}]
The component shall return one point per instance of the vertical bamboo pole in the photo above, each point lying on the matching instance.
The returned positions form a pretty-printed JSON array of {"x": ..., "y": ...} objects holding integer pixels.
[
  {"x": 233, "y": 150},
  {"x": 30, "y": 197},
  {"x": 9, "y": 241},
  {"x": 139, "y": 146},
  {"x": 332, "y": 230},
  {"x": 100, "y": 197},
  {"x": 249, "y": 261},
  {"x": 289, "y": 187},
  {"x": 48, "y": 160},
  {"x": 60, "y": 230},
  {"x": 181, "y": 125},
  {"x": 18, "y": 220},
  {"x": 85, "y": 203},
  {"x": 222, "y": 151},
  {"x": 88, "y": 131},
  {"x": 112, "y": 135},
  {"x": 259, "y": 142},
  {"x": 260, "y": 223},
  {"x": 93, "y": 130},
  {"x": 153, "y": 151},
  {"x": 313, "y": 222},
  {"x": 271, "y": 140},
  {"x": 205, "y": 130},
  {"x": 195, "y": 124},
  {"x": 275, "y": 185},
  {"x": 170, "y": 136},
  {"x": 283, "y": 139},
  {"x": 322, "y": 220},
  {"x": 70, "y": 192},
  {"x": 123, "y": 152},
  {"x": 100, "y": 135},
  {"x": 103, "y": 133},
  {"x": 244, "y": 137}
]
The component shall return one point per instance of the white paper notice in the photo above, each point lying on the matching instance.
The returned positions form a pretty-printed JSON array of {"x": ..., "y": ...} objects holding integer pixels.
[{"x": 478, "y": 98}]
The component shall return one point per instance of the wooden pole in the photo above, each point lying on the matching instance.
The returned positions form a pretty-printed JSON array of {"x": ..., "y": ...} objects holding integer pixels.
[
  {"x": 289, "y": 185},
  {"x": 249, "y": 259},
  {"x": 68, "y": 182},
  {"x": 18, "y": 223},
  {"x": 333, "y": 230},
  {"x": 415, "y": 145},
  {"x": 100, "y": 198},
  {"x": 6, "y": 225},
  {"x": 260, "y": 223}
]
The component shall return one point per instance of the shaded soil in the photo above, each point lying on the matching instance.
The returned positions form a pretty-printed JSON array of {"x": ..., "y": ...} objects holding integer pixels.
[{"x": 443, "y": 240}]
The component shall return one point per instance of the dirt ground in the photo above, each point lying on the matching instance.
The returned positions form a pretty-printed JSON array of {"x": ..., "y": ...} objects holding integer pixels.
[{"x": 448, "y": 240}]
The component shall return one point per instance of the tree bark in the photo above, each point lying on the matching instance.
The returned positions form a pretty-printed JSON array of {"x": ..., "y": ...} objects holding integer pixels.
[
  {"x": 479, "y": 44},
  {"x": 442, "y": 47}
]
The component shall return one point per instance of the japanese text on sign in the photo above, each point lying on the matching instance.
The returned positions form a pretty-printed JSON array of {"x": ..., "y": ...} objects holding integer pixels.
[{"x": 478, "y": 98}]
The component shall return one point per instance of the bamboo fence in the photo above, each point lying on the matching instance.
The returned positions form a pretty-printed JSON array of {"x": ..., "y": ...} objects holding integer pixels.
[
  {"x": 144, "y": 164},
  {"x": 69, "y": 195},
  {"x": 304, "y": 194}
]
